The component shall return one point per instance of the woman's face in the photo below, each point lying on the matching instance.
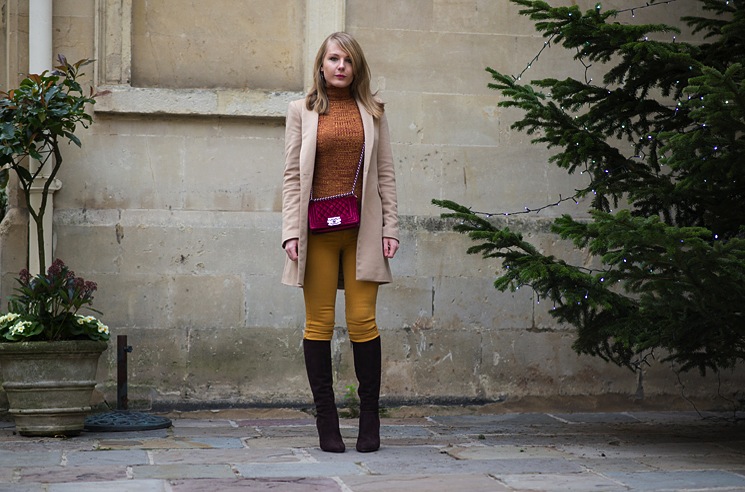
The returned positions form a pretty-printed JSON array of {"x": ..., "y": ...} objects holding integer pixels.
[{"x": 337, "y": 66}]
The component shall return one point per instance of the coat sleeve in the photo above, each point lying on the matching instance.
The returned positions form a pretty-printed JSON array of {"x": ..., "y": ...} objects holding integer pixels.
[
  {"x": 291, "y": 178},
  {"x": 387, "y": 181}
]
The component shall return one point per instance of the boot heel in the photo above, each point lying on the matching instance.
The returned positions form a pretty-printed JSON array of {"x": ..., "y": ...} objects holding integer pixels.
[{"x": 368, "y": 439}]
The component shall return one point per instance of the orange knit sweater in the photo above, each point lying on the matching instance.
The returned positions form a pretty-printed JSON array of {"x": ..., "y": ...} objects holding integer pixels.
[{"x": 338, "y": 146}]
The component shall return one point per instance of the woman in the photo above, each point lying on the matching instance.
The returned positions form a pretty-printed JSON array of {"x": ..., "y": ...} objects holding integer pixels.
[{"x": 338, "y": 127}]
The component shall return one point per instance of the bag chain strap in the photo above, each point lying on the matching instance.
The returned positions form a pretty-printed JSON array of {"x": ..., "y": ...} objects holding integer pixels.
[{"x": 354, "y": 185}]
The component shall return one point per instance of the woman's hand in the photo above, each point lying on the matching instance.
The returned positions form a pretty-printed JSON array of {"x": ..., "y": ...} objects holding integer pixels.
[
  {"x": 291, "y": 249},
  {"x": 390, "y": 246}
]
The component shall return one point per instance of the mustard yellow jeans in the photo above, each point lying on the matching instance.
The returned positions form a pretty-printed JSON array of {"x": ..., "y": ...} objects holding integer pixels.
[{"x": 326, "y": 253}]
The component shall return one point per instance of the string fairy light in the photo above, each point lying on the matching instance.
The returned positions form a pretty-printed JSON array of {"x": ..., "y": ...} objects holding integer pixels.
[
  {"x": 547, "y": 44},
  {"x": 588, "y": 80}
]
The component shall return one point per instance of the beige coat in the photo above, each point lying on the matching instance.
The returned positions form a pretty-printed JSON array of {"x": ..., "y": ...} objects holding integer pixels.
[{"x": 379, "y": 216}]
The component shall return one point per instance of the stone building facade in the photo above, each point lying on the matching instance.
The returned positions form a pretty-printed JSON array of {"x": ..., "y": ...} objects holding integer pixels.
[{"x": 172, "y": 205}]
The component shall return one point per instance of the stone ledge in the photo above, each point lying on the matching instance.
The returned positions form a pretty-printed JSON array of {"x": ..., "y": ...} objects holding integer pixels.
[{"x": 122, "y": 99}]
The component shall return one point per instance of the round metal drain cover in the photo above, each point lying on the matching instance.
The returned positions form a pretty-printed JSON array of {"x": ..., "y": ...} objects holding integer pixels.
[{"x": 120, "y": 421}]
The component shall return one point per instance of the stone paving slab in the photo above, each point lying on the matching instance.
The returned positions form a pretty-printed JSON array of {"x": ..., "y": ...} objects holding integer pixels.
[
  {"x": 182, "y": 471},
  {"x": 453, "y": 482},
  {"x": 504, "y": 452},
  {"x": 585, "y": 418},
  {"x": 38, "y": 458},
  {"x": 204, "y": 424},
  {"x": 115, "y": 486},
  {"x": 281, "y": 422},
  {"x": 177, "y": 442},
  {"x": 681, "y": 480},
  {"x": 305, "y": 441},
  {"x": 61, "y": 474},
  {"x": 658, "y": 450},
  {"x": 576, "y": 482},
  {"x": 230, "y": 456},
  {"x": 624, "y": 451},
  {"x": 278, "y": 470},
  {"x": 19, "y": 487},
  {"x": 604, "y": 465},
  {"x": 309, "y": 484},
  {"x": 237, "y": 432},
  {"x": 105, "y": 458},
  {"x": 429, "y": 460}
]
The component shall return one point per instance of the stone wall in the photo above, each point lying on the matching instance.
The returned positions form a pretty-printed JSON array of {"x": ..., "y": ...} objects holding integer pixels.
[{"x": 173, "y": 203}]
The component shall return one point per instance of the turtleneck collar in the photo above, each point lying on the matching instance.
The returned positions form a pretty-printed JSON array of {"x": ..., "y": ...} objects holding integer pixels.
[{"x": 338, "y": 94}]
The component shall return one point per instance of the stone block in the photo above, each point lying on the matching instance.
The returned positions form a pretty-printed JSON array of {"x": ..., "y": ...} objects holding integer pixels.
[
  {"x": 96, "y": 232},
  {"x": 271, "y": 304},
  {"x": 413, "y": 15},
  {"x": 187, "y": 60},
  {"x": 230, "y": 364},
  {"x": 208, "y": 301},
  {"x": 242, "y": 174},
  {"x": 426, "y": 363},
  {"x": 404, "y": 303},
  {"x": 201, "y": 243},
  {"x": 134, "y": 300},
  {"x": 459, "y": 119},
  {"x": 443, "y": 254},
  {"x": 474, "y": 302},
  {"x": 142, "y": 172},
  {"x": 536, "y": 362},
  {"x": 156, "y": 366},
  {"x": 481, "y": 16}
]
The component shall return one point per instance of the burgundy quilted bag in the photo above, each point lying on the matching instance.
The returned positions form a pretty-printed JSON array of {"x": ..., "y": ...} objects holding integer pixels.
[{"x": 335, "y": 213}]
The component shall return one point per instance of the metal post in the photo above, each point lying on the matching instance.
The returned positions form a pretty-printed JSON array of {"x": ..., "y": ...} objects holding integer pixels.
[
  {"x": 121, "y": 372},
  {"x": 121, "y": 419}
]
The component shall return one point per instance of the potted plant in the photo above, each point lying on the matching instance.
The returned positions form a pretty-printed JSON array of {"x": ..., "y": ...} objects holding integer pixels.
[{"x": 49, "y": 351}]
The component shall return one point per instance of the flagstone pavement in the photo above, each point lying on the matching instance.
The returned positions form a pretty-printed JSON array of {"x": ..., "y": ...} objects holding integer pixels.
[{"x": 277, "y": 449}]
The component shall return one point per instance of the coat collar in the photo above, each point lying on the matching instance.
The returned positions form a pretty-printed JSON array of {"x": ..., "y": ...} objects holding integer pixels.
[{"x": 310, "y": 133}]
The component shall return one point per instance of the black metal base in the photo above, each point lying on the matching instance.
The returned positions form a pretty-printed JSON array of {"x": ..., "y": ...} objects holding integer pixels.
[{"x": 123, "y": 420}]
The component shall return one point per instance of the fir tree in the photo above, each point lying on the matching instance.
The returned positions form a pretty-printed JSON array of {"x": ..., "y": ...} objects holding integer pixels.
[{"x": 670, "y": 278}]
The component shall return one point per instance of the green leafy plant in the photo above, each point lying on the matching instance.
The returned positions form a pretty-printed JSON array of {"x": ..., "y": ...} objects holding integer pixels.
[
  {"x": 35, "y": 118},
  {"x": 47, "y": 307},
  {"x": 660, "y": 140},
  {"x": 351, "y": 402}
]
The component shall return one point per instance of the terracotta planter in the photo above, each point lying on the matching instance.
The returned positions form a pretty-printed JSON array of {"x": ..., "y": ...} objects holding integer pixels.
[{"x": 50, "y": 384}]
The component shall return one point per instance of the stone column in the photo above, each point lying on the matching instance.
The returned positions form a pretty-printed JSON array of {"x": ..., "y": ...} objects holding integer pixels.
[{"x": 40, "y": 56}]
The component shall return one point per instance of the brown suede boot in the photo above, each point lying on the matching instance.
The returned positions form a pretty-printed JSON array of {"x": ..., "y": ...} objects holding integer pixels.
[
  {"x": 367, "y": 367},
  {"x": 320, "y": 376}
]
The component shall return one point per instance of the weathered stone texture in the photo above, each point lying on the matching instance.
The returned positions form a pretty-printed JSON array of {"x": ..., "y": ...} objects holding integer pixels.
[{"x": 222, "y": 43}]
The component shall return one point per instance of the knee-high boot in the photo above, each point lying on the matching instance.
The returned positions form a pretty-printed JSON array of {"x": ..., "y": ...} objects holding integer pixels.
[
  {"x": 320, "y": 376},
  {"x": 367, "y": 367}
]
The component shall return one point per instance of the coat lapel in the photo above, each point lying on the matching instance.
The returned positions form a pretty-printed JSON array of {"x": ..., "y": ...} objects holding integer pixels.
[
  {"x": 308, "y": 152},
  {"x": 368, "y": 125}
]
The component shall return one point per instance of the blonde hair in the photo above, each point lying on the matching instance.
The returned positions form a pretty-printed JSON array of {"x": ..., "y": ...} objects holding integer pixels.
[{"x": 317, "y": 100}]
